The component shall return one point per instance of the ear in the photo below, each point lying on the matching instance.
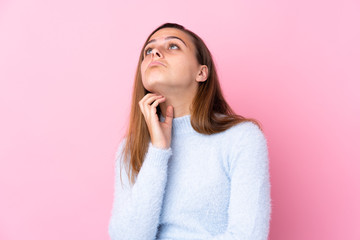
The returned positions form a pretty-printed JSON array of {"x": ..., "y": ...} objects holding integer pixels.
[{"x": 202, "y": 74}]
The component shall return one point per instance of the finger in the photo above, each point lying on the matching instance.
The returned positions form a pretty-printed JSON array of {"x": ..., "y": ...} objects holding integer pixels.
[
  {"x": 141, "y": 107},
  {"x": 143, "y": 102},
  {"x": 148, "y": 103},
  {"x": 155, "y": 104},
  {"x": 169, "y": 115},
  {"x": 147, "y": 96},
  {"x": 151, "y": 99}
]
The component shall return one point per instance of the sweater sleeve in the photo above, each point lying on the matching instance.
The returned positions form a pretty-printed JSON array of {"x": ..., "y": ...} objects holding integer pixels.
[
  {"x": 250, "y": 202},
  {"x": 136, "y": 208}
]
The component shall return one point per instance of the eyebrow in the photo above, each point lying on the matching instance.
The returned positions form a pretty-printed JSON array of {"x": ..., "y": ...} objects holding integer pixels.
[{"x": 167, "y": 38}]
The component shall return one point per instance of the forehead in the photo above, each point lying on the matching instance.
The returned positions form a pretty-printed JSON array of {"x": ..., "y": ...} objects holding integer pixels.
[{"x": 165, "y": 32}]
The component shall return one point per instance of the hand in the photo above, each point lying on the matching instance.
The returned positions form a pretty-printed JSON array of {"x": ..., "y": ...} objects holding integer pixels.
[{"x": 160, "y": 132}]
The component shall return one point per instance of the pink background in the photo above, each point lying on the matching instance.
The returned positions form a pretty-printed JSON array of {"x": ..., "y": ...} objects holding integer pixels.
[{"x": 66, "y": 74}]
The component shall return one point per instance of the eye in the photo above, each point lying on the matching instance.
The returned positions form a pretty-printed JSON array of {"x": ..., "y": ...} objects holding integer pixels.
[
  {"x": 147, "y": 51},
  {"x": 171, "y": 45},
  {"x": 174, "y": 45}
]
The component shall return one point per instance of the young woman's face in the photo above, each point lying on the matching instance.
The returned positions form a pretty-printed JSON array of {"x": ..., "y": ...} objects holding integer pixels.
[{"x": 169, "y": 62}]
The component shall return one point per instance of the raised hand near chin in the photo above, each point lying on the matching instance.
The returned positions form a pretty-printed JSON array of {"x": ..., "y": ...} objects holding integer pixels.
[{"x": 160, "y": 132}]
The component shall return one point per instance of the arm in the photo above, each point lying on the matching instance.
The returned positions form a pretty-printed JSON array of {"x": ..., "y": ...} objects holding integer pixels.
[
  {"x": 136, "y": 209},
  {"x": 250, "y": 202}
]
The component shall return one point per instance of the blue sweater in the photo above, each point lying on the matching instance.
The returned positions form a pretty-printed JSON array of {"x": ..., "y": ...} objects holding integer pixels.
[{"x": 202, "y": 187}]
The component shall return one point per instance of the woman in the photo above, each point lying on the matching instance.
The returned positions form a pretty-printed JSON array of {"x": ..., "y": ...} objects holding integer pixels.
[{"x": 188, "y": 167}]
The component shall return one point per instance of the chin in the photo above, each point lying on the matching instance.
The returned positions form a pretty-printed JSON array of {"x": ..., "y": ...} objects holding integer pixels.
[{"x": 151, "y": 84}]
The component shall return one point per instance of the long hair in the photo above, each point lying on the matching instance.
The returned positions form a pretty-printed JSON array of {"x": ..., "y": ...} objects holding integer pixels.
[{"x": 210, "y": 113}]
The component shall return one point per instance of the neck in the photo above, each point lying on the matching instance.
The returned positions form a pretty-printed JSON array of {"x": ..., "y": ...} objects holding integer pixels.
[
  {"x": 180, "y": 109},
  {"x": 180, "y": 125},
  {"x": 180, "y": 101}
]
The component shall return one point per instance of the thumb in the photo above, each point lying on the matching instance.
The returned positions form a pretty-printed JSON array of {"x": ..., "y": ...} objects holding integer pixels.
[{"x": 169, "y": 115}]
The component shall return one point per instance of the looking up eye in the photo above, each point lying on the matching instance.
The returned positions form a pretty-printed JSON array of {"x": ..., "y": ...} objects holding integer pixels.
[
  {"x": 173, "y": 45},
  {"x": 147, "y": 51}
]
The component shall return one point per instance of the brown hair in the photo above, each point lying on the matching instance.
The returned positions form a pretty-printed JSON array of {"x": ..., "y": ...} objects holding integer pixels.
[{"x": 207, "y": 104}]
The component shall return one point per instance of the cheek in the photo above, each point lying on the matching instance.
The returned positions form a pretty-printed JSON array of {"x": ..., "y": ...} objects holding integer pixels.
[
  {"x": 142, "y": 67},
  {"x": 189, "y": 68}
]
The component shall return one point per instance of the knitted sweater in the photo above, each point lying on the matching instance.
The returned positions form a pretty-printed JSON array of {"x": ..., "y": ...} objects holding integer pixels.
[{"x": 212, "y": 187}]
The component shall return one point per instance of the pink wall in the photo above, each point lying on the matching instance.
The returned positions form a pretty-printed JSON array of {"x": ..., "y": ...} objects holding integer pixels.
[{"x": 66, "y": 72}]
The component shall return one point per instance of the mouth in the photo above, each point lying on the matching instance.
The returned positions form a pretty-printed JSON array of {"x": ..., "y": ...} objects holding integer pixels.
[{"x": 154, "y": 63}]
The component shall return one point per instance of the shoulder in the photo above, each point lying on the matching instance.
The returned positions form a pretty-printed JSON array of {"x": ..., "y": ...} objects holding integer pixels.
[
  {"x": 120, "y": 161},
  {"x": 121, "y": 167},
  {"x": 120, "y": 147},
  {"x": 246, "y": 147},
  {"x": 242, "y": 130},
  {"x": 246, "y": 141},
  {"x": 245, "y": 132}
]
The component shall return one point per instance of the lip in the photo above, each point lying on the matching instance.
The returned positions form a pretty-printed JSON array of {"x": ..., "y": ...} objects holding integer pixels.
[{"x": 156, "y": 63}]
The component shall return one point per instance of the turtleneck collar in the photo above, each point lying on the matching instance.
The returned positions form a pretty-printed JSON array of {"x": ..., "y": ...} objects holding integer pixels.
[{"x": 180, "y": 125}]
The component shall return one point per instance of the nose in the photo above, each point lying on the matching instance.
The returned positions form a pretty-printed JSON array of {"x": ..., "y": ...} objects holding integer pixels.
[{"x": 156, "y": 52}]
